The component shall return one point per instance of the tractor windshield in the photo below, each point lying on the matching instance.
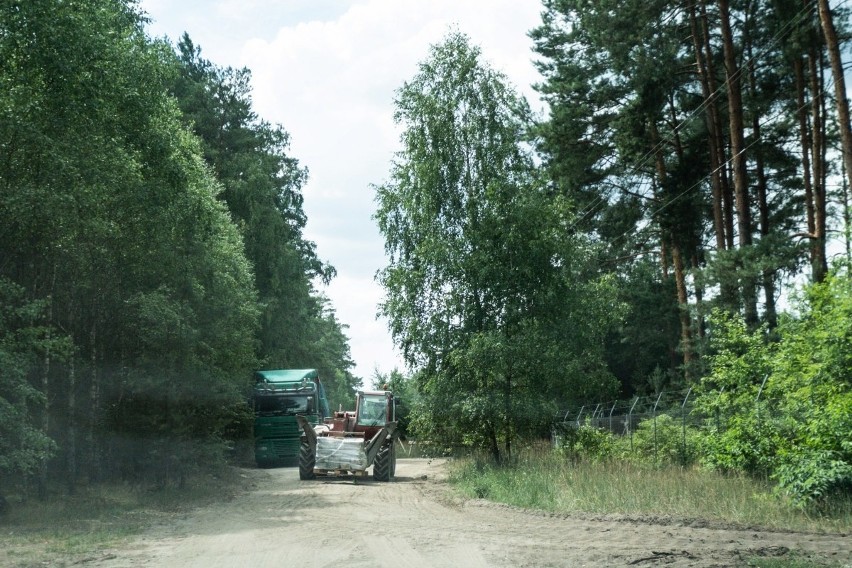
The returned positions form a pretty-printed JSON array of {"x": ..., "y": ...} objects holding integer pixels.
[{"x": 373, "y": 410}]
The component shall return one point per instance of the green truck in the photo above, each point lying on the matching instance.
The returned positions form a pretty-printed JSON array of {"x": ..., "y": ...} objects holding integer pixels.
[{"x": 278, "y": 397}]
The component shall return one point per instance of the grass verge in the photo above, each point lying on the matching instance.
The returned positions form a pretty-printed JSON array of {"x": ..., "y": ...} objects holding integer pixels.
[
  {"x": 71, "y": 529},
  {"x": 546, "y": 481}
]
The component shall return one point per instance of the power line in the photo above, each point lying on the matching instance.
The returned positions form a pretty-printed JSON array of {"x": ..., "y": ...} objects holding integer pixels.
[
  {"x": 727, "y": 162},
  {"x": 644, "y": 160}
]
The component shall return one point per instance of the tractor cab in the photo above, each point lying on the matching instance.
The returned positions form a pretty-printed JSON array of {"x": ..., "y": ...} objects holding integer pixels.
[{"x": 374, "y": 409}]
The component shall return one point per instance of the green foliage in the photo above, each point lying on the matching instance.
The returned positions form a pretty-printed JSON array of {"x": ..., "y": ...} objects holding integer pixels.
[
  {"x": 23, "y": 338},
  {"x": 262, "y": 190},
  {"x": 662, "y": 441},
  {"x": 167, "y": 427},
  {"x": 496, "y": 307},
  {"x": 641, "y": 149},
  {"x": 405, "y": 393},
  {"x": 812, "y": 386},
  {"x": 639, "y": 350},
  {"x": 614, "y": 144},
  {"x": 329, "y": 349},
  {"x": 174, "y": 264},
  {"x": 747, "y": 444},
  {"x": 797, "y": 431},
  {"x": 813, "y": 475},
  {"x": 585, "y": 442},
  {"x": 773, "y": 407},
  {"x": 112, "y": 219},
  {"x": 739, "y": 360}
]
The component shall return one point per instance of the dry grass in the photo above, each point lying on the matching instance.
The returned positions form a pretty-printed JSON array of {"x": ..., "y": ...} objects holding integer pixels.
[{"x": 544, "y": 480}]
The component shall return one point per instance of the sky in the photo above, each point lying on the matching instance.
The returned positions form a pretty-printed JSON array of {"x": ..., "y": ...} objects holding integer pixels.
[{"x": 327, "y": 71}]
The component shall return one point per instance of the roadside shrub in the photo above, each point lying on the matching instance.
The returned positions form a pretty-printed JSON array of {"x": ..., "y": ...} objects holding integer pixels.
[
  {"x": 747, "y": 445},
  {"x": 811, "y": 387},
  {"x": 784, "y": 407},
  {"x": 663, "y": 444},
  {"x": 585, "y": 443},
  {"x": 808, "y": 477}
]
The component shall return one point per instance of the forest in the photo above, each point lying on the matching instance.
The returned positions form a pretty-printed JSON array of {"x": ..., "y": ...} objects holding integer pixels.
[
  {"x": 152, "y": 253},
  {"x": 679, "y": 217}
]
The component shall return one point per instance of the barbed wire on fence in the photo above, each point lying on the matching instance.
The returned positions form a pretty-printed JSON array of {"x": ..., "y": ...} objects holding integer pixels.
[{"x": 623, "y": 417}]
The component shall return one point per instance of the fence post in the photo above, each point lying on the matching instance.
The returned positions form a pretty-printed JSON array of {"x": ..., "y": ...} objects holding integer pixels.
[
  {"x": 630, "y": 422},
  {"x": 683, "y": 424},
  {"x": 659, "y": 396},
  {"x": 579, "y": 414},
  {"x": 611, "y": 410},
  {"x": 595, "y": 416},
  {"x": 757, "y": 399}
]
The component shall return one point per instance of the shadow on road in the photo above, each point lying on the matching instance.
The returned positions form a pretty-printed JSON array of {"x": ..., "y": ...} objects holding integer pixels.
[{"x": 364, "y": 480}]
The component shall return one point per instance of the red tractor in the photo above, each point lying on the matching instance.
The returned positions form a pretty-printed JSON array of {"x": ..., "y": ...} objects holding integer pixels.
[{"x": 351, "y": 441}]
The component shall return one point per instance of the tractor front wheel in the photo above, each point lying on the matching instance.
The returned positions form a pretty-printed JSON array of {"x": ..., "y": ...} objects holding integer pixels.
[
  {"x": 385, "y": 464},
  {"x": 307, "y": 461}
]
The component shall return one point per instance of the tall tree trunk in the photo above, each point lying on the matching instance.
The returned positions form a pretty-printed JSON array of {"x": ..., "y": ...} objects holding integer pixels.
[
  {"x": 737, "y": 129},
  {"x": 833, "y": 47},
  {"x": 491, "y": 433},
  {"x": 45, "y": 389},
  {"x": 700, "y": 327},
  {"x": 723, "y": 223},
  {"x": 71, "y": 431},
  {"x": 818, "y": 261},
  {"x": 769, "y": 275},
  {"x": 770, "y": 313},
  {"x": 677, "y": 261},
  {"x": 94, "y": 404},
  {"x": 847, "y": 226},
  {"x": 508, "y": 410},
  {"x": 683, "y": 311},
  {"x": 45, "y": 417},
  {"x": 805, "y": 140},
  {"x": 716, "y": 172},
  {"x": 718, "y": 134}
]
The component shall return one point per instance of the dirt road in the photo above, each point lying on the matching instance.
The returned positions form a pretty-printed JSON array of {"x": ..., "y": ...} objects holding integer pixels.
[{"x": 416, "y": 522}]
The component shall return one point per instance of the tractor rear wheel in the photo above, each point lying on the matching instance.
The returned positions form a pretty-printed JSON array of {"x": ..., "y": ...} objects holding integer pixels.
[
  {"x": 307, "y": 461},
  {"x": 383, "y": 465}
]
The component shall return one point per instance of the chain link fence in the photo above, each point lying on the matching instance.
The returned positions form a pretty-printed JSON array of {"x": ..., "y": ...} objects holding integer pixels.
[{"x": 623, "y": 417}]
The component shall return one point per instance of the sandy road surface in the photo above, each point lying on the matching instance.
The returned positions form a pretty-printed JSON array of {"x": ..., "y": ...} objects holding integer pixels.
[{"x": 416, "y": 522}]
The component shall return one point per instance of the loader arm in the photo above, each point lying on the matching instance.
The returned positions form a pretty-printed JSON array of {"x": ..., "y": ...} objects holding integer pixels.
[
  {"x": 375, "y": 443},
  {"x": 308, "y": 428}
]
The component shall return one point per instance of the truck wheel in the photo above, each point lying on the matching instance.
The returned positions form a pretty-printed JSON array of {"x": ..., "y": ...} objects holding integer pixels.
[
  {"x": 393, "y": 461},
  {"x": 307, "y": 461},
  {"x": 382, "y": 465}
]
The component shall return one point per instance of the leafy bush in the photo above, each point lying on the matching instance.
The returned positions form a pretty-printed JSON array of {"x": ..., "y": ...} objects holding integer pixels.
[
  {"x": 664, "y": 442},
  {"x": 747, "y": 444},
  {"x": 787, "y": 405},
  {"x": 811, "y": 384},
  {"x": 812, "y": 476},
  {"x": 585, "y": 442}
]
